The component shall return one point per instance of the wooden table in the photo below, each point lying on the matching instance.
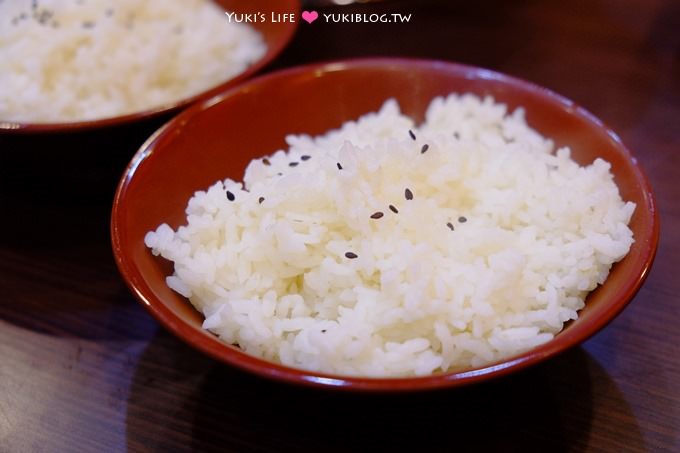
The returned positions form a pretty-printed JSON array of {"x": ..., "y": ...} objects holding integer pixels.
[{"x": 83, "y": 367}]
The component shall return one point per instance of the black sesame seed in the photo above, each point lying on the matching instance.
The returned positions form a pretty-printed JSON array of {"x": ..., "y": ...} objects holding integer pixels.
[
  {"x": 393, "y": 209},
  {"x": 462, "y": 219},
  {"x": 377, "y": 215},
  {"x": 410, "y": 132},
  {"x": 230, "y": 196},
  {"x": 339, "y": 166},
  {"x": 266, "y": 161},
  {"x": 424, "y": 148},
  {"x": 293, "y": 164},
  {"x": 408, "y": 194},
  {"x": 323, "y": 330},
  {"x": 351, "y": 255},
  {"x": 260, "y": 200},
  {"x": 42, "y": 16},
  {"x": 280, "y": 174},
  {"x": 450, "y": 225},
  {"x": 305, "y": 157},
  {"x": 456, "y": 135}
]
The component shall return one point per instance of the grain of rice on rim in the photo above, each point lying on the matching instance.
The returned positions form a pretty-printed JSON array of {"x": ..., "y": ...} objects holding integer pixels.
[{"x": 404, "y": 295}]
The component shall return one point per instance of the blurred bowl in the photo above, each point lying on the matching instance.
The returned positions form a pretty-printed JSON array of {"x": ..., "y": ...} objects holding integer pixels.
[
  {"x": 276, "y": 35},
  {"x": 253, "y": 119}
]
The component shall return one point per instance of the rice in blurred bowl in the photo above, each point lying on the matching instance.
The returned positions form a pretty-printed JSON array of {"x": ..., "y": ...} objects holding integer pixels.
[{"x": 80, "y": 60}]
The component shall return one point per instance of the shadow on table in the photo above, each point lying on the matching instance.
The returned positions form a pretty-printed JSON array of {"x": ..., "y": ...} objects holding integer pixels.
[
  {"x": 198, "y": 405},
  {"x": 519, "y": 413},
  {"x": 58, "y": 187},
  {"x": 56, "y": 264}
]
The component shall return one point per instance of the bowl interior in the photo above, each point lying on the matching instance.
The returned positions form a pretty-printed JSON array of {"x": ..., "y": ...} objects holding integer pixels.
[
  {"x": 218, "y": 138},
  {"x": 276, "y": 35}
]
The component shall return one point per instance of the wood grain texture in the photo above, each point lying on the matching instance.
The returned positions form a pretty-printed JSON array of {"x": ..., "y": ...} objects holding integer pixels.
[{"x": 84, "y": 368}]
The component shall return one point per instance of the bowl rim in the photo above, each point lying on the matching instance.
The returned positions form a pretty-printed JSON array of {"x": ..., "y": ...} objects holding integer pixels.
[
  {"x": 234, "y": 357},
  {"x": 273, "y": 51}
]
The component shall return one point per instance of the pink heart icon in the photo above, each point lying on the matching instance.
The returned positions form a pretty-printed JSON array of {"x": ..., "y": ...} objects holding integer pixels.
[{"x": 310, "y": 16}]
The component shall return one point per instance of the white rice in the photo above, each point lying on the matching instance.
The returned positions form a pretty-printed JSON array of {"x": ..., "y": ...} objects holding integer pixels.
[
  {"x": 74, "y": 60},
  {"x": 498, "y": 248}
]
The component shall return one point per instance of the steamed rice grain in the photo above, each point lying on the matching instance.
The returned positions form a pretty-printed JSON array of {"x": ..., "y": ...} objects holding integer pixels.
[{"x": 494, "y": 242}]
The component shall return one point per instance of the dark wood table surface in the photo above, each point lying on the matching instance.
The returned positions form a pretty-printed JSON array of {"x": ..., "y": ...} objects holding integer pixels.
[{"x": 83, "y": 367}]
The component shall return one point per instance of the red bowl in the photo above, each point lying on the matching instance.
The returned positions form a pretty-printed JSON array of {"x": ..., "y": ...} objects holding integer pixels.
[
  {"x": 276, "y": 35},
  {"x": 217, "y": 138}
]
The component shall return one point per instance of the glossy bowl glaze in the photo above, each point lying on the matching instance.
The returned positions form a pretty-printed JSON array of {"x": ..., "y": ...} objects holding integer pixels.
[
  {"x": 217, "y": 138},
  {"x": 276, "y": 35}
]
